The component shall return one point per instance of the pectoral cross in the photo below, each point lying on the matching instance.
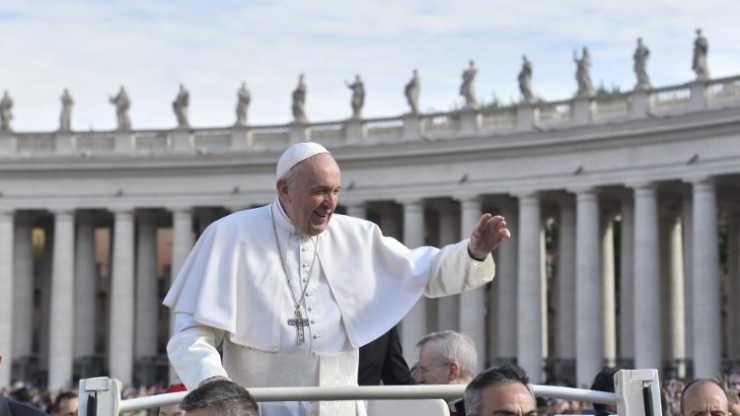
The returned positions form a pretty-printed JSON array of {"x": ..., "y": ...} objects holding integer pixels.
[{"x": 299, "y": 323}]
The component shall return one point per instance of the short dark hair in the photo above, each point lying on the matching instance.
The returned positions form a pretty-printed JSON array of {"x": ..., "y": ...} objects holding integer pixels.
[
  {"x": 604, "y": 381},
  {"x": 221, "y": 397},
  {"x": 506, "y": 374},
  {"x": 67, "y": 395}
]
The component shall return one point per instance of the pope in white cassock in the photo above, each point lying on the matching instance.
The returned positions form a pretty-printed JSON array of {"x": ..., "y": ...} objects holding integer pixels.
[{"x": 293, "y": 290}]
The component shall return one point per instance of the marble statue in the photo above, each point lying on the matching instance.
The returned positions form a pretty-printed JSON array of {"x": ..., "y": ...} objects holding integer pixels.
[
  {"x": 299, "y": 101},
  {"x": 6, "y": 112},
  {"x": 412, "y": 90},
  {"x": 65, "y": 117},
  {"x": 180, "y": 107},
  {"x": 467, "y": 88},
  {"x": 525, "y": 81},
  {"x": 641, "y": 56},
  {"x": 699, "y": 62},
  {"x": 242, "y": 104},
  {"x": 122, "y": 103},
  {"x": 583, "y": 74},
  {"x": 358, "y": 96}
]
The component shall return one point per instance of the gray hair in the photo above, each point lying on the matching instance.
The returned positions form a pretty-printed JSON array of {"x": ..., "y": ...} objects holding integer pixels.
[
  {"x": 453, "y": 346},
  {"x": 221, "y": 397},
  {"x": 506, "y": 374}
]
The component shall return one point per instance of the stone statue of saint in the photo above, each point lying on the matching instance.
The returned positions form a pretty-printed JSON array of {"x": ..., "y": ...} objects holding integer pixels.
[
  {"x": 6, "y": 112},
  {"x": 641, "y": 56},
  {"x": 699, "y": 62},
  {"x": 242, "y": 104},
  {"x": 122, "y": 103},
  {"x": 525, "y": 81},
  {"x": 412, "y": 90},
  {"x": 180, "y": 106},
  {"x": 583, "y": 74},
  {"x": 467, "y": 88},
  {"x": 299, "y": 101},
  {"x": 65, "y": 118},
  {"x": 358, "y": 96}
]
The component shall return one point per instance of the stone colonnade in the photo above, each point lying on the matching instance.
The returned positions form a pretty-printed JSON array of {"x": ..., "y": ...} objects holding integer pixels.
[{"x": 593, "y": 276}]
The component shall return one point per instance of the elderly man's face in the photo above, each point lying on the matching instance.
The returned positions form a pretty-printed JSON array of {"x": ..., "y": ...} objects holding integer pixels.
[
  {"x": 312, "y": 194},
  {"x": 171, "y": 410},
  {"x": 510, "y": 399},
  {"x": 431, "y": 368},
  {"x": 705, "y": 399}
]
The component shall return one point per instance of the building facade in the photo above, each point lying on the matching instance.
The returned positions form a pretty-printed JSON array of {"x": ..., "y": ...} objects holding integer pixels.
[{"x": 625, "y": 215}]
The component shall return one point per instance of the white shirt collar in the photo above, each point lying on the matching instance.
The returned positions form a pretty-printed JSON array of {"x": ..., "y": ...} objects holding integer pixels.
[{"x": 281, "y": 219}]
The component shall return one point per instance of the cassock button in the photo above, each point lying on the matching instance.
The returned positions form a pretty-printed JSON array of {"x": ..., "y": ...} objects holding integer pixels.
[
  {"x": 308, "y": 294},
  {"x": 312, "y": 321},
  {"x": 315, "y": 337},
  {"x": 310, "y": 308}
]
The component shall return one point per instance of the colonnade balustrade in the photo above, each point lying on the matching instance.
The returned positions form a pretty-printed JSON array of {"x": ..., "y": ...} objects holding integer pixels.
[
  {"x": 606, "y": 289},
  {"x": 669, "y": 101}
]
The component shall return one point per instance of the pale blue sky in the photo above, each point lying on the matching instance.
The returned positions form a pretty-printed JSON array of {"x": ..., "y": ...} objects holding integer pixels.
[{"x": 93, "y": 47}]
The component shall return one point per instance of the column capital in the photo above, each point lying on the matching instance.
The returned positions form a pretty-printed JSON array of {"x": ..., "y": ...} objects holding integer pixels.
[
  {"x": 182, "y": 209},
  {"x": 640, "y": 184},
  {"x": 63, "y": 212},
  {"x": 121, "y": 211},
  {"x": 527, "y": 196},
  {"x": 581, "y": 190},
  {"x": 410, "y": 202},
  {"x": 701, "y": 183},
  {"x": 467, "y": 197}
]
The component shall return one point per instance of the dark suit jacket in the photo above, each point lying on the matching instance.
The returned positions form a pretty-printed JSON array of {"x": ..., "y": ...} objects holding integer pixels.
[
  {"x": 12, "y": 408},
  {"x": 383, "y": 360}
]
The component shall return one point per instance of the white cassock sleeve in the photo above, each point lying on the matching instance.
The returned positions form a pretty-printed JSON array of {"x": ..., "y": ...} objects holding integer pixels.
[{"x": 192, "y": 351}]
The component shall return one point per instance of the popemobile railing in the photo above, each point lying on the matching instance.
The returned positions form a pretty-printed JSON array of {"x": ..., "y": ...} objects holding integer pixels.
[{"x": 637, "y": 393}]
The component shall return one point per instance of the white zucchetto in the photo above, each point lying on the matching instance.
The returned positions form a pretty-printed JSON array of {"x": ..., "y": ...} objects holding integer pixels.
[{"x": 296, "y": 154}]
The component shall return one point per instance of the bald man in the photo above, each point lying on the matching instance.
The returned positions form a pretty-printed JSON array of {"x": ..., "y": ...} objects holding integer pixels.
[{"x": 704, "y": 397}]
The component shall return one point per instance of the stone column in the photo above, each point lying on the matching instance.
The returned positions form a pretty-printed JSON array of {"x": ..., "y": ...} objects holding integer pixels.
[
  {"x": 473, "y": 302},
  {"x": 627, "y": 282},
  {"x": 673, "y": 307},
  {"x": 609, "y": 296},
  {"x": 6, "y": 295},
  {"x": 647, "y": 279},
  {"x": 413, "y": 326},
  {"x": 448, "y": 307},
  {"x": 22, "y": 291},
  {"x": 61, "y": 328},
  {"x": 589, "y": 308},
  {"x": 85, "y": 289},
  {"x": 182, "y": 242},
  {"x": 147, "y": 293},
  {"x": 506, "y": 279},
  {"x": 529, "y": 288},
  {"x": 687, "y": 214},
  {"x": 565, "y": 334},
  {"x": 121, "y": 331},
  {"x": 705, "y": 276}
]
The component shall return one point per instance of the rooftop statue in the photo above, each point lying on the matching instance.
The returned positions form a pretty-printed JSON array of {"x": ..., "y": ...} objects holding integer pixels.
[
  {"x": 525, "y": 81},
  {"x": 699, "y": 61},
  {"x": 641, "y": 56},
  {"x": 358, "y": 96},
  {"x": 467, "y": 88},
  {"x": 65, "y": 118},
  {"x": 412, "y": 90},
  {"x": 180, "y": 106},
  {"x": 122, "y": 103},
  {"x": 6, "y": 112},
  {"x": 242, "y": 104},
  {"x": 583, "y": 74},
  {"x": 299, "y": 101}
]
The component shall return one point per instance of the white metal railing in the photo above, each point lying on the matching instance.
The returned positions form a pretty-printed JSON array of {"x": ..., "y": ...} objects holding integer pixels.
[{"x": 637, "y": 393}]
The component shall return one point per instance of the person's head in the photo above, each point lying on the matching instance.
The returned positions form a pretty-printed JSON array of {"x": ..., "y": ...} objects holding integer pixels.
[
  {"x": 604, "y": 381},
  {"x": 704, "y": 397},
  {"x": 733, "y": 380},
  {"x": 446, "y": 357},
  {"x": 173, "y": 409},
  {"x": 500, "y": 390},
  {"x": 308, "y": 186},
  {"x": 219, "y": 398},
  {"x": 66, "y": 404}
]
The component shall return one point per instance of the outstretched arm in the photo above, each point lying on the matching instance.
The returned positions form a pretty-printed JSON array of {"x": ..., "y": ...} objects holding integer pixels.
[{"x": 487, "y": 235}]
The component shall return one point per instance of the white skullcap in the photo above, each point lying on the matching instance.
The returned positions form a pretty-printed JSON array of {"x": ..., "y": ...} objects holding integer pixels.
[{"x": 296, "y": 154}]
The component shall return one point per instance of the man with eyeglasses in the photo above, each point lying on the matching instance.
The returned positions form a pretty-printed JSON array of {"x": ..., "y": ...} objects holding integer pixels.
[{"x": 446, "y": 357}]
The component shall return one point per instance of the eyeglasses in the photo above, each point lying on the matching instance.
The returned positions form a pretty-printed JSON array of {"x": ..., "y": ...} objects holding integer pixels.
[{"x": 425, "y": 370}]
